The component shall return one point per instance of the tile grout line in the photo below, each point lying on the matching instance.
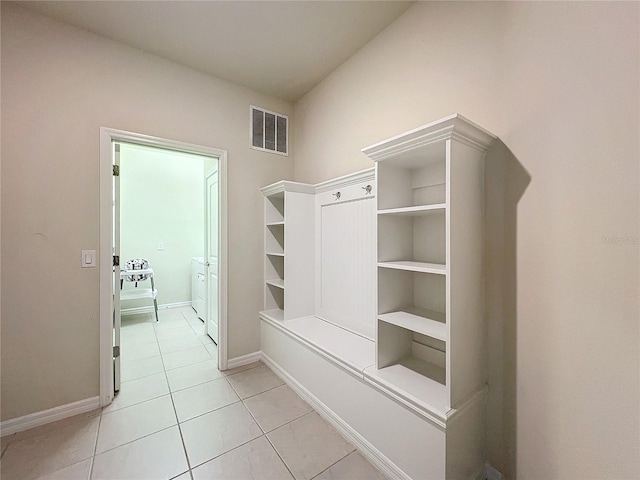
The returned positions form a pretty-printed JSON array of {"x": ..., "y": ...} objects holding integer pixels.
[
  {"x": 95, "y": 445},
  {"x": 260, "y": 426},
  {"x": 175, "y": 412}
]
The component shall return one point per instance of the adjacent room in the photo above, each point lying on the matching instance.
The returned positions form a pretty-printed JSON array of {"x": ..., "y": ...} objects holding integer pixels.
[{"x": 320, "y": 240}]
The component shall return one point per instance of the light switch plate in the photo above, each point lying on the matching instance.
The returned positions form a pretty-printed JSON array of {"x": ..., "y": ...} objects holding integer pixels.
[{"x": 88, "y": 258}]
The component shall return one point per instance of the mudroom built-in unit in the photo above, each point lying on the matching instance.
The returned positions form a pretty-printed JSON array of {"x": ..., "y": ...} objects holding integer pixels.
[{"x": 374, "y": 299}]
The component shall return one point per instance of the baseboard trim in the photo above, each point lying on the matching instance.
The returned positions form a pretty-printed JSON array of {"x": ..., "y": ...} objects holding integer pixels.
[
  {"x": 377, "y": 458},
  {"x": 243, "y": 360},
  {"x": 150, "y": 309},
  {"x": 19, "y": 424}
]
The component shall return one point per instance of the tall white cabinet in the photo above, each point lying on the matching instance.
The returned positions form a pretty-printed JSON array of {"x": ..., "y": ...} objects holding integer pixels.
[{"x": 411, "y": 391}]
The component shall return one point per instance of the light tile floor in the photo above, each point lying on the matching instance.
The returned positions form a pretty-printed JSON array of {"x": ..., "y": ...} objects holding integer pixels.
[{"x": 178, "y": 417}]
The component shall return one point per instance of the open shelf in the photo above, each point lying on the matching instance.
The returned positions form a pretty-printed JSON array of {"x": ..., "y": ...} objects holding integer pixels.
[
  {"x": 277, "y": 282},
  {"x": 410, "y": 266},
  {"x": 276, "y": 254},
  {"x": 408, "y": 381},
  {"x": 415, "y": 211},
  {"x": 275, "y": 314},
  {"x": 276, "y": 224},
  {"x": 419, "y": 320}
]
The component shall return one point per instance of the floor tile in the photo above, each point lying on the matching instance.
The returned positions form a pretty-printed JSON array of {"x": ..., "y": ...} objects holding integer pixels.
[
  {"x": 77, "y": 471},
  {"x": 275, "y": 407},
  {"x": 141, "y": 368},
  {"x": 194, "y": 321},
  {"x": 139, "y": 390},
  {"x": 194, "y": 401},
  {"x": 168, "y": 314},
  {"x": 173, "y": 333},
  {"x": 130, "y": 341},
  {"x": 135, "y": 325},
  {"x": 184, "y": 476},
  {"x": 205, "y": 339},
  {"x": 254, "y": 460},
  {"x": 217, "y": 432},
  {"x": 354, "y": 467},
  {"x": 130, "y": 354},
  {"x": 309, "y": 445},
  {"x": 195, "y": 374},
  {"x": 189, "y": 313},
  {"x": 136, "y": 318},
  {"x": 248, "y": 366},
  {"x": 156, "y": 456},
  {"x": 137, "y": 421},
  {"x": 185, "y": 357},
  {"x": 48, "y": 427},
  {"x": 6, "y": 440},
  {"x": 212, "y": 348},
  {"x": 174, "y": 344},
  {"x": 254, "y": 381},
  {"x": 50, "y": 451}
]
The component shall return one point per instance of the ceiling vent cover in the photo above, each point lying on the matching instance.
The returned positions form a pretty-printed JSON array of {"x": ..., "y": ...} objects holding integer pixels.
[{"x": 269, "y": 131}]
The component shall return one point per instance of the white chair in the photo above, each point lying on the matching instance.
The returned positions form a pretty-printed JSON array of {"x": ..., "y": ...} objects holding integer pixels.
[{"x": 138, "y": 270}]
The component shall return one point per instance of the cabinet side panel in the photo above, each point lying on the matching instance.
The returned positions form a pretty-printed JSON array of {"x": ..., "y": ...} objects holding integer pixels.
[
  {"x": 299, "y": 238},
  {"x": 465, "y": 320},
  {"x": 465, "y": 455}
]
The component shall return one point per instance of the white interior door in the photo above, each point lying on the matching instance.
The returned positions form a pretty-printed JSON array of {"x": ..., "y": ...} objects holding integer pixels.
[
  {"x": 116, "y": 267},
  {"x": 212, "y": 253}
]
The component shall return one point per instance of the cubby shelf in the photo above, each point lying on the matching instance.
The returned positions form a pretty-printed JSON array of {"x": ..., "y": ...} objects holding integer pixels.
[
  {"x": 277, "y": 282},
  {"x": 276, "y": 254},
  {"x": 276, "y": 314},
  {"x": 276, "y": 224},
  {"x": 408, "y": 380},
  {"x": 415, "y": 211},
  {"x": 419, "y": 320},
  {"x": 421, "y": 267}
]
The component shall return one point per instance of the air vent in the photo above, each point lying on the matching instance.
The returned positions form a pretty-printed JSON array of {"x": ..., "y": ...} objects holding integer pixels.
[{"x": 269, "y": 131}]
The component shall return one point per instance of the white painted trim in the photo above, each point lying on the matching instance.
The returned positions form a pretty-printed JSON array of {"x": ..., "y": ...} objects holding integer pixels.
[
  {"x": 242, "y": 360},
  {"x": 285, "y": 185},
  {"x": 377, "y": 458},
  {"x": 347, "y": 180},
  {"x": 107, "y": 136},
  {"x": 47, "y": 416},
  {"x": 223, "y": 272},
  {"x": 454, "y": 125},
  {"x": 150, "y": 309}
]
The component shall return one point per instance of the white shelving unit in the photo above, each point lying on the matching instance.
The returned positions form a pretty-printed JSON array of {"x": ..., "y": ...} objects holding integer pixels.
[
  {"x": 430, "y": 331},
  {"x": 374, "y": 306},
  {"x": 288, "y": 246}
]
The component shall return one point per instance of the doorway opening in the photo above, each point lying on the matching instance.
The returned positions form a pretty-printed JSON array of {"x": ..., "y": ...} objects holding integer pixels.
[{"x": 163, "y": 202}]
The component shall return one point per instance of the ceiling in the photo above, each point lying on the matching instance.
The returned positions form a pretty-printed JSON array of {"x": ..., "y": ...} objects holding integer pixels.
[{"x": 283, "y": 48}]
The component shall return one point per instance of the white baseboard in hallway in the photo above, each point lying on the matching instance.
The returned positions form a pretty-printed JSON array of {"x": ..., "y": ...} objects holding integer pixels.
[
  {"x": 36, "y": 419},
  {"x": 243, "y": 360}
]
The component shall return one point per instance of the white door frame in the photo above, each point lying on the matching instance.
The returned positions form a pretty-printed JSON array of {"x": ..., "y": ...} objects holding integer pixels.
[{"x": 107, "y": 136}]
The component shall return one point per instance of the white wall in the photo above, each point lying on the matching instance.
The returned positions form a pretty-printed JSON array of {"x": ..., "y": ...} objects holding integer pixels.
[
  {"x": 59, "y": 86},
  {"x": 161, "y": 201},
  {"x": 558, "y": 83}
]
